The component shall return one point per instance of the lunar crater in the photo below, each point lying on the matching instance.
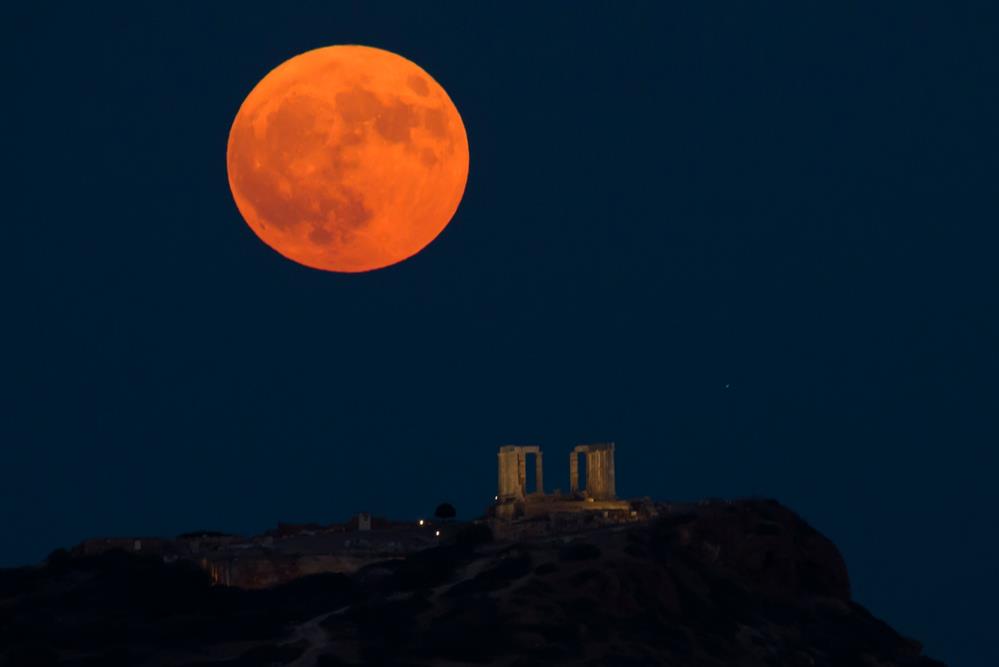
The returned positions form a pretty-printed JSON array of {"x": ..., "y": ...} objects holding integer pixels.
[{"x": 418, "y": 85}]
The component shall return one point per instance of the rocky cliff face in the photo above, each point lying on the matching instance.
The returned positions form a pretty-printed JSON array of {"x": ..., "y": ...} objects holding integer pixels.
[{"x": 745, "y": 583}]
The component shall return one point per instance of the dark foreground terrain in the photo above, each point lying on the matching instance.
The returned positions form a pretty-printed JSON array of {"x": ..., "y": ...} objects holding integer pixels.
[{"x": 746, "y": 583}]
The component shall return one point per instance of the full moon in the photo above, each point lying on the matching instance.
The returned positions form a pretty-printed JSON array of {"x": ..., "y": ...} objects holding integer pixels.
[{"x": 347, "y": 158}]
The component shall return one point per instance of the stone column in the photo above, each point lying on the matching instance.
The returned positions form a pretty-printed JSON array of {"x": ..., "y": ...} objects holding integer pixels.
[
  {"x": 610, "y": 475},
  {"x": 538, "y": 474},
  {"x": 574, "y": 471},
  {"x": 600, "y": 477},
  {"x": 508, "y": 472},
  {"x": 594, "y": 475},
  {"x": 501, "y": 473},
  {"x": 603, "y": 474},
  {"x": 521, "y": 473}
]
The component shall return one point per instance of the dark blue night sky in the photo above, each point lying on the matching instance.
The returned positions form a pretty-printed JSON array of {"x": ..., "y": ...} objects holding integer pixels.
[{"x": 755, "y": 247}]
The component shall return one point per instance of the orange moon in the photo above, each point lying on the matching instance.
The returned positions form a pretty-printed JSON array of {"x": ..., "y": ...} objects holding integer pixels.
[{"x": 347, "y": 158}]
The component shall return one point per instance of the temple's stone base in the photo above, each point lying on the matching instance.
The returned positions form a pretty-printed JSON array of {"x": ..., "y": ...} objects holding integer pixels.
[{"x": 535, "y": 506}]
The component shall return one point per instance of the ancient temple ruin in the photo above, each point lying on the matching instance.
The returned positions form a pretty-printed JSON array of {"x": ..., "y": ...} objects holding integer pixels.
[{"x": 514, "y": 499}]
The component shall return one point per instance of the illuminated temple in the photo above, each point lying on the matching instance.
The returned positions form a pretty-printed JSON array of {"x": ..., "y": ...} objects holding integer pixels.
[{"x": 597, "y": 494}]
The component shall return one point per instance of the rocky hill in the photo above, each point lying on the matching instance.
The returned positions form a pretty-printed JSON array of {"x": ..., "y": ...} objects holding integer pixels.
[{"x": 745, "y": 583}]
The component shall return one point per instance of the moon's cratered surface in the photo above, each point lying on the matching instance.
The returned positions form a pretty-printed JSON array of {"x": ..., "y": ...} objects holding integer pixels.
[{"x": 347, "y": 158}]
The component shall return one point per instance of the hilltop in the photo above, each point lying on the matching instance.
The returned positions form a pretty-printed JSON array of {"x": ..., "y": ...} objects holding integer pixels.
[{"x": 720, "y": 583}]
